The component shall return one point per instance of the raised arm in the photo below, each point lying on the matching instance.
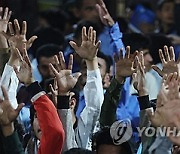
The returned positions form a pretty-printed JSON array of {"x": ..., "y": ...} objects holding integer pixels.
[
  {"x": 124, "y": 68},
  {"x": 8, "y": 115},
  {"x": 113, "y": 27},
  {"x": 93, "y": 91},
  {"x": 52, "y": 138},
  {"x": 65, "y": 82}
]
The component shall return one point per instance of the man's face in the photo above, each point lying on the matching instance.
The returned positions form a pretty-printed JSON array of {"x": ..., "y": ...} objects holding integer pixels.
[
  {"x": 102, "y": 67},
  {"x": 110, "y": 149},
  {"x": 36, "y": 127},
  {"x": 44, "y": 67},
  {"x": 166, "y": 14},
  {"x": 88, "y": 10}
]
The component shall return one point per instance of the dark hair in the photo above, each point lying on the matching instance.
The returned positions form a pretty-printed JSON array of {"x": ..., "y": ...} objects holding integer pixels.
[
  {"x": 87, "y": 24},
  {"x": 107, "y": 59},
  {"x": 47, "y": 36},
  {"x": 103, "y": 137},
  {"x": 161, "y": 3},
  {"x": 157, "y": 41},
  {"x": 136, "y": 41},
  {"x": 47, "y": 50},
  {"x": 55, "y": 18},
  {"x": 78, "y": 151}
]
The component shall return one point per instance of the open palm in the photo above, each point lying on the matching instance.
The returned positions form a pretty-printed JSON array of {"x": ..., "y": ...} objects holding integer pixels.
[
  {"x": 8, "y": 114},
  {"x": 88, "y": 48},
  {"x": 63, "y": 75}
]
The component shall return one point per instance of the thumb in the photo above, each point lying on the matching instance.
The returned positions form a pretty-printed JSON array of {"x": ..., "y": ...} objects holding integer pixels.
[
  {"x": 73, "y": 45},
  {"x": 77, "y": 75},
  {"x": 20, "y": 106},
  {"x": 31, "y": 40}
]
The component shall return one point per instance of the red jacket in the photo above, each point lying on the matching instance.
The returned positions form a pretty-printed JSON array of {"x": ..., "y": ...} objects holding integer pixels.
[{"x": 52, "y": 138}]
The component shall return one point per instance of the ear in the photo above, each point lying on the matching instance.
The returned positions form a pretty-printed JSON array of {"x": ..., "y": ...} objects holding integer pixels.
[{"x": 72, "y": 103}]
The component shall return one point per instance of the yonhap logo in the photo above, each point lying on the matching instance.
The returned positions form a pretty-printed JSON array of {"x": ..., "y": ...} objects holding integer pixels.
[{"x": 121, "y": 131}]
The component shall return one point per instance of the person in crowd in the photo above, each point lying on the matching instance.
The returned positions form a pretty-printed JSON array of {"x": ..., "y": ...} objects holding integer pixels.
[{"x": 78, "y": 131}]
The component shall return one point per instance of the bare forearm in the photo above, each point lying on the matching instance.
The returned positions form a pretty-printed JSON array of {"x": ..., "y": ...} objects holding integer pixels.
[
  {"x": 92, "y": 65},
  {"x": 3, "y": 42}
]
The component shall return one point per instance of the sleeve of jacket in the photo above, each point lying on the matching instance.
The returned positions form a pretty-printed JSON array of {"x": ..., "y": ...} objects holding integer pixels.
[
  {"x": 111, "y": 101},
  {"x": 12, "y": 144},
  {"x": 52, "y": 138},
  {"x": 93, "y": 93},
  {"x": 10, "y": 82},
  {"x": 116, "y": 37},
  {"x": 66, "y": 118}
]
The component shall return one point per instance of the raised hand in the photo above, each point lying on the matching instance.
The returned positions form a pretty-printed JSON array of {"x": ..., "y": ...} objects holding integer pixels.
[
  {"x": 168, "y": 103},
  {"x": 4, "y": 19},
  {"x": 63, "y": 75},
  {"x": 104, "y": 15},
  {"x": 139, "y": 77},
  {"x": 18, "y": 36},
  {"x": 124, "y": 66},
  {"x": 8, "y": 114},
  {"x": 89, "y": 48},
  {"x": 54, "y": 92},
  {"x": 24, "y": 74},
  {"x": 168, "y": 62}
]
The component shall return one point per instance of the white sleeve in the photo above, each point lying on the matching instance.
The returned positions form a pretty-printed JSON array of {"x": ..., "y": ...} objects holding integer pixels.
[
  {"x": 152, "y": 86},
  {"x": 65, "y": 116},
  {"x": 10, "y": 82},
  {"x": 93, "y": 93}
]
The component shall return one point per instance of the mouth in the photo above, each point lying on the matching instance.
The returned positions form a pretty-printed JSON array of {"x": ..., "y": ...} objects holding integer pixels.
[{"x": 39, "y": 130}]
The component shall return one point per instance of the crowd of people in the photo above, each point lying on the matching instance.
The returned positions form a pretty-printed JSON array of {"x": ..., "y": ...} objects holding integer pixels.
[{"x": 109, "y": 86}]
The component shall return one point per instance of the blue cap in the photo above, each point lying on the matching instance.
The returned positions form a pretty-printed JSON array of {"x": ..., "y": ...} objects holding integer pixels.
[{"x": 142, "y": 15}]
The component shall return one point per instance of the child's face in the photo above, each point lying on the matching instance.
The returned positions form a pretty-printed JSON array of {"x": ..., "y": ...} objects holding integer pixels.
[{"x": 166, "y": 14}]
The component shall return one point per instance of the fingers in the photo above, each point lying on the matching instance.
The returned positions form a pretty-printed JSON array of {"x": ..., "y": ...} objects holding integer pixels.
[
  {"x": 52, "y": 89},
  {"x": 11, "y": 29},
  {"x": 26, "y": 57},
  {"x": 17, "y": 27},
  {"x": 6, "y": 13},
  {"x": 172, "y": 55},
  {"x": 74, "y": 45},
  {"x": 162, "y": 56},
  {"x": 166, "y": 53},
  {"x": 24, "y": 28},
  {"x": 53, "y": 69},
  {"x": 19, "y": 55},
  {"x": 84, "y": 34},
  {"x": 127, "y": 52},
  {"x": 97, "y": 46},
  {"x": 70, "y": 64},
  {"x": 158, "y": 70},
  {"x": 30, "y": 41},
  {"x": 62, "y": 60},
  {"x": 5, "y": 95},
  {"x": 58, "y": 65},
  {"x": 90, "y": 34},
  {"x": 103, "y": 6},
  {"x": 94, "y": 37}
]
